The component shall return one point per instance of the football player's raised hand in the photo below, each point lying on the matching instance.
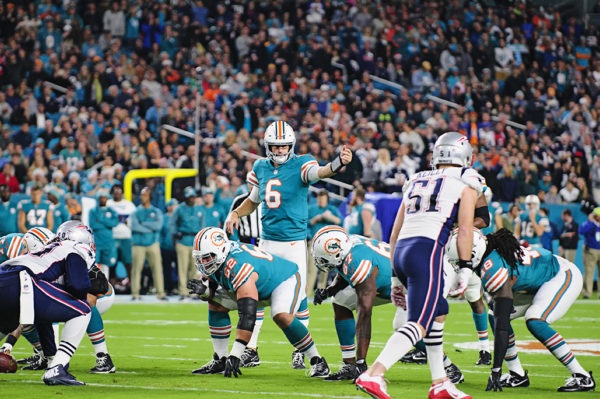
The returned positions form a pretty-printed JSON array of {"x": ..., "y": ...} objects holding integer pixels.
[
  {"x": 346, "y": 155},
  {"x": 232, "y": 222}
]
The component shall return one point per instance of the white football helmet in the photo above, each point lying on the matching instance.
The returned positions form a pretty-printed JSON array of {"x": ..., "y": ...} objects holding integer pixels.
[
  {"x": 211, "y": 247},
  {"x": 37, "y": 238},
  {"x": 279, "y": 133},
  {"x": 479, "y": 247},
  {"x": 74, "y": 230},
  {"x": 532, "y": 203},
  {"x": 330, "y": 245},
  {"x": 452, "y": 148}
]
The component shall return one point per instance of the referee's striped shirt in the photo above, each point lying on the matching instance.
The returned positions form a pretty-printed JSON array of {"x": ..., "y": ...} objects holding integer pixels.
[{"x": 250, "y": 226}]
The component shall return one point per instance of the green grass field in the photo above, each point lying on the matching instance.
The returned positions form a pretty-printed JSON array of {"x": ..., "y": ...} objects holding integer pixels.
[{"x": 155, "y": 346}]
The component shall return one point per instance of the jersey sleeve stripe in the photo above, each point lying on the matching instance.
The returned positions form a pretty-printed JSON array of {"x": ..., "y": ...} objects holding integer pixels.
[
  {"x": 252, "y": 179},
  {"x": 497, "y": 280},
  {"x": 242, "y": 276},
  {"x": 361, "y": 273}
]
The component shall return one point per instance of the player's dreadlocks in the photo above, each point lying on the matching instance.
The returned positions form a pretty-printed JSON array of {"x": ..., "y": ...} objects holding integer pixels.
[{"x": 507, "y": 246}]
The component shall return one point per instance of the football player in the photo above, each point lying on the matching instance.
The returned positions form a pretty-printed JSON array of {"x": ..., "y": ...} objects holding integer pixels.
[
  {"x": 551, "y": 283},
  {"x": 433, "y": 201},
  {"x": 29, "y": 298},
  {"x": 280, "y": 182},
  {"x": 248, "y": 276},
  {"x": 363, "y": 281},
  {"x": 533, "y": 224}
]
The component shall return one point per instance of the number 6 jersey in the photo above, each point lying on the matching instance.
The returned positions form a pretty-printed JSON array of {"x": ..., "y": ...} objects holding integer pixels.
[
  {"x": 431, "y": 200},
  {"x": 284, "y": 196}
]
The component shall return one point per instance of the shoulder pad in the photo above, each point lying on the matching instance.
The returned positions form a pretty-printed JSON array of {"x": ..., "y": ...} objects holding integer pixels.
[
  {"x": 473, "y": 179},
  {"x": 85, "y": 251}
]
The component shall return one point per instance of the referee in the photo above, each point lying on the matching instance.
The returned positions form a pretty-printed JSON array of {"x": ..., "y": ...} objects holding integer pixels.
[{"x": 250, "y": 226}]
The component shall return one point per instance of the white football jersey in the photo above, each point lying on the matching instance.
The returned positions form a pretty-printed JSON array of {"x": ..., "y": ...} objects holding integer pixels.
[
  {"x": 124, "y": 209},
  {"x": 431, "y": 201},
  {"x": 53, "y": 257}
]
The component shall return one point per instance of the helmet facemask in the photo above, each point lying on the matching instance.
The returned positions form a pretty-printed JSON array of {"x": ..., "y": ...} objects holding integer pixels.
[{"x": 278, "y": 158}]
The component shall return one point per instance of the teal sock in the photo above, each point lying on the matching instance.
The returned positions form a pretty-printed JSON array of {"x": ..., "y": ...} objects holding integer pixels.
[
  {"x": 555, "y": 344},
  {"x": 31, "y": 335},
  {"x": 219, "y": 326},
  {"x": 300, "y": 338},
  {"x": 346, "y": 331},
  {"x": 95, "y": 330},
  {"x": 302, "y": 313},
  {"x": 421, "y": 346},
  {"x": 481, "y": 325}
]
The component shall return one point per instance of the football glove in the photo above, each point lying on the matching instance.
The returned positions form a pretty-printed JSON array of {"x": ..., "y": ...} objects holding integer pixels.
[
  {"x": 494, "y": 381},
  {"x": 232, "y": 367},
  {"x": 320, "y": 295},
  {"x": 196, "y": 287},
  {"x": 464, "y": 274},
  {"x": 98, "y": 281}
]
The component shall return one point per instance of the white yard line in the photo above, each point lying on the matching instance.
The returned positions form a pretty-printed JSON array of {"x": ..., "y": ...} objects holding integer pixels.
[{"x": 192, "y": 389}]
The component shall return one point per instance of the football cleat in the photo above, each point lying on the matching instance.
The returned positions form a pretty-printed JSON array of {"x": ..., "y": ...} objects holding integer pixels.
[
  {"x": 374, "y": 386},
  {"x": 348, "y": 371},
  {"x": 215, "y": 366},
  {"x": 57, "y": 375},
  {"x": 250, "y": 358},
  {"x": 104, "y": 364},
  {"x": 485, "y": 358},
  {"x": 41, "y": 363},
  {"x": 298, "y": 360},
  {"x": 446, "y": 390},
  {"x": 415, "y": 356},
  {"x": 579, "y": 383},
  {"x": 318, "y": 367},
  {"x": 514, "y": 380},
  {"x": 454, "y": 374},
  {"x": 28, "y": 360}
]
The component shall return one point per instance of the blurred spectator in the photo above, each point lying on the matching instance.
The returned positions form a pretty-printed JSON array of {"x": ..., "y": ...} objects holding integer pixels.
[
  {"x": 167, "y": 249},
  {"x": 187, "y": 220},
  {"x": 508, "y": 220},
  {"x": 8, "y": 212},
  {"x": 569, "y": 236},
  {"x": 146, "y": 224},
  {"x": 213, "y": 214},
  {"x": 8, "y": 178},
  {"x": 361, "y": 216},
  {"x": 35, "y": 212},
  {"x": 320, "y": 215},
  {"x": 60, "y": 213},
  {"x": 569, "y": 193},
  {"x": 590, "y": 230},
  {"x": 122, "y": 231},
  {"x": 102, "y": 220}
]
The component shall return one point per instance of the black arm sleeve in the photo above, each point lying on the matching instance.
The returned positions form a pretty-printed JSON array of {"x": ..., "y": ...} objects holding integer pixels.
[
  {"x": 77, "y": 280},
  {"x": 484, "y": 214},
  {"x": 502, "y": 309},
  {"x": 247, "y": 312}
]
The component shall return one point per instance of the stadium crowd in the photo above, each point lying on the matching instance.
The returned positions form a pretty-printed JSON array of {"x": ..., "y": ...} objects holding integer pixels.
[{"x": 525, "y": 83}]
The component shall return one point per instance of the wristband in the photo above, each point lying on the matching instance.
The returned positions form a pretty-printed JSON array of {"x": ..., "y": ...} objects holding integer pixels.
[
  {"x": 238, "y": 348},
  {"x": 464, "y": 264},
  {"x": 336, "y": 164}
]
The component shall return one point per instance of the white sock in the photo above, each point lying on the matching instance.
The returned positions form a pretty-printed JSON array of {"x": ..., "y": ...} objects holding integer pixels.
[
  {"x": 101, "y": 348},
  {"x": 221, "y": 346},
  {"x": 253, "y": 343},
  {"x": 312, "y": 352},
  {"x": 512, "y": 358},
  {"x": 71, "y": 336},
  {"x": 447, "y": 361},
  {"x": 56, "y": 333},
  {"x": 400, "y": 318},
  {"x": 434, "y": 343},
  {"x": 399, "y": 344}
]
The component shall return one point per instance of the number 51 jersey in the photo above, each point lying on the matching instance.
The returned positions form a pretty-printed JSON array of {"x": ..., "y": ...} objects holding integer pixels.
[
  {"x": 431, "y": 200},
  {"x": 284, "y": 196}
]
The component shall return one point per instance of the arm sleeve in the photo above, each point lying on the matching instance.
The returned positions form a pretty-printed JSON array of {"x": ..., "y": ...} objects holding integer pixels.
[
  {"x": 77, "y": 280},
  {"x": 585, "y": 228},
  {"x": 255, "y": 195},
  {"x": 474, "y": 180},
  {"x": 309, "y": 172}
]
